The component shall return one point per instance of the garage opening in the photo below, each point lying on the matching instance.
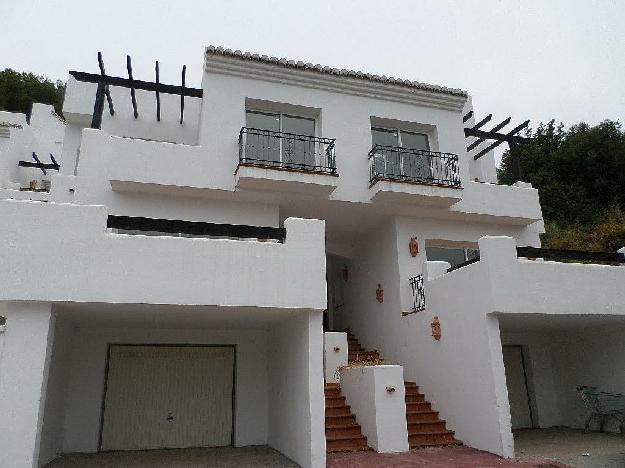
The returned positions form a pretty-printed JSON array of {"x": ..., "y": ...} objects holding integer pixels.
[
  {"x": 168, "y": 396},
  {"x": 547, "y": 359}
]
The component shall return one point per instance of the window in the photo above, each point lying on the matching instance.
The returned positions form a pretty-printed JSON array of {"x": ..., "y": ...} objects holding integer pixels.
[
  {"x": 278, "y": 142},
  {"x": 392, "y": 160},
  {"x": 454, "y": 256}
]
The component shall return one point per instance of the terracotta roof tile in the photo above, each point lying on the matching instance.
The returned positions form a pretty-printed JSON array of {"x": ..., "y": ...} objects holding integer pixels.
[{"x": 333, "y": 71}]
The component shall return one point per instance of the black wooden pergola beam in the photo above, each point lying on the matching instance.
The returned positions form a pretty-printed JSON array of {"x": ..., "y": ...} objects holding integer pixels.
[
  {"x": 509, "y": 137},
  {"x": 493, "y": 130},
  {"x": 158, "y": 96},
  {"x": 138, "y": 84},
  {"x": 482, "y": 122},
  {"x": 132, "y": 87},
  {"x": 467, "y": 116},
  {"x": 107, "y": 92},
  {"x": 39, "y": 165},
  {"x": 184, "y": 75},
  {"x": 104, "y": 81}
]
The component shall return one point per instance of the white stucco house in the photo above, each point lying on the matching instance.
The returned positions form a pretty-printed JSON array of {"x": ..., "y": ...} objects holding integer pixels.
[{"x": 169, "y": 280}]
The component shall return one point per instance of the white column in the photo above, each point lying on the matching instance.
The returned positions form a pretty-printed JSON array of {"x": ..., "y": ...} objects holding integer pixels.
[
  {"x": 28, "y": 338},
  {"x": 376, "y": 395}
]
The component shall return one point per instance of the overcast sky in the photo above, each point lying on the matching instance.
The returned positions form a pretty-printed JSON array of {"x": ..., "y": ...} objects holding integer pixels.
[{"x": 526, "y": 59}]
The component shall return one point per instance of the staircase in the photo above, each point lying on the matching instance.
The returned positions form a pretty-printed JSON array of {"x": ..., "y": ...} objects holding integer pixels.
[
  {"x": 343, "y": 433},
  {"x": 425, "y": 429},
  {"x": 355, "y": 352}
]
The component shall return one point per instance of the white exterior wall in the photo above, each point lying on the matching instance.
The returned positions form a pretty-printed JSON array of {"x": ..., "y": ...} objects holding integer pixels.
[
  {"x": 83, "y": 400},
  {"x": 123, "y": 270},
  {"x": 180, "y": 171},
  {"x": 296, "y": 397},
  {"x": 381, "y": 413},
  {"x": 23, "y": 381},
  {"x": 344, "y": 117}
]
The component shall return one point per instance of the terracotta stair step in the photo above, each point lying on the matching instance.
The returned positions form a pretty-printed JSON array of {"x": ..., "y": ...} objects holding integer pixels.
[
  {"x": 339, "y": 411},
  {"x": 363, "y": 356},
  {"x": 426, "y": 427},
  {"x": 335, "y": 401},
  {"x": 341, "y": 420},
  {"x": 332, "y": 392},
  {"x": 415, "y": 399},
  {"x": 408, "y": 383},
  {"x": 418, "y": 407},
  {"x": 421, "y": 416},
  {"x": 432, "y": 439},
  {"x": 331, "y": 385},
  {"x": 413, "y": 391},
  {"x": 346, "y": 444},
  {"x": 343, "y": 431}
]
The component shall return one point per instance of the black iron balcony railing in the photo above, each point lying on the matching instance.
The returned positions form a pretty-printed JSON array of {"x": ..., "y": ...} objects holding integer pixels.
[
  {"x": 414, "y": 166},
  {"x": 288, "y": 151}
]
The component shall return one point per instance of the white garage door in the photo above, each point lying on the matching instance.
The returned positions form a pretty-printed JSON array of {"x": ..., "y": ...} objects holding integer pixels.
[{"x": 168, "y": 397}]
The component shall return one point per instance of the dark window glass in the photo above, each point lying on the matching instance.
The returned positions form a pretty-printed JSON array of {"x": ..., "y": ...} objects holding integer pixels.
[
  {"x": 443, "y": 254},
  {"x": 454, "y": 256},
  {"x": 382, "y": 136},
  {"x": 262, "y": 146},
  {"x": 386, "y": 160},
  {"x": 416, "y": 166},
  {"x": 297, "y": 150},
  {"x": 416, "y": 141}
]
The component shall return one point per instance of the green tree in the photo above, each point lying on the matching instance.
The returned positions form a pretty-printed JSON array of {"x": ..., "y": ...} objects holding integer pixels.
[
  {"x": 18, "y": 91},
  {"x": 579, "y": 172}
]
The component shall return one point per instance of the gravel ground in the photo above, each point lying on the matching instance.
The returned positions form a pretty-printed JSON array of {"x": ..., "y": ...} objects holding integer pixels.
[{"x": 572, "y": 447}]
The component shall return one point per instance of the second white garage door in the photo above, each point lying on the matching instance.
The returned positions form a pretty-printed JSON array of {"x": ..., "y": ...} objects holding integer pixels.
[{"x": 168, "y": 397}]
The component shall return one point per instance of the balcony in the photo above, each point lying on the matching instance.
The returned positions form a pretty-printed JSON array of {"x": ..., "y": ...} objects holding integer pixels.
[
  {"x": 270, "y": 160},
  {"x": 399, "y": 174}
]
